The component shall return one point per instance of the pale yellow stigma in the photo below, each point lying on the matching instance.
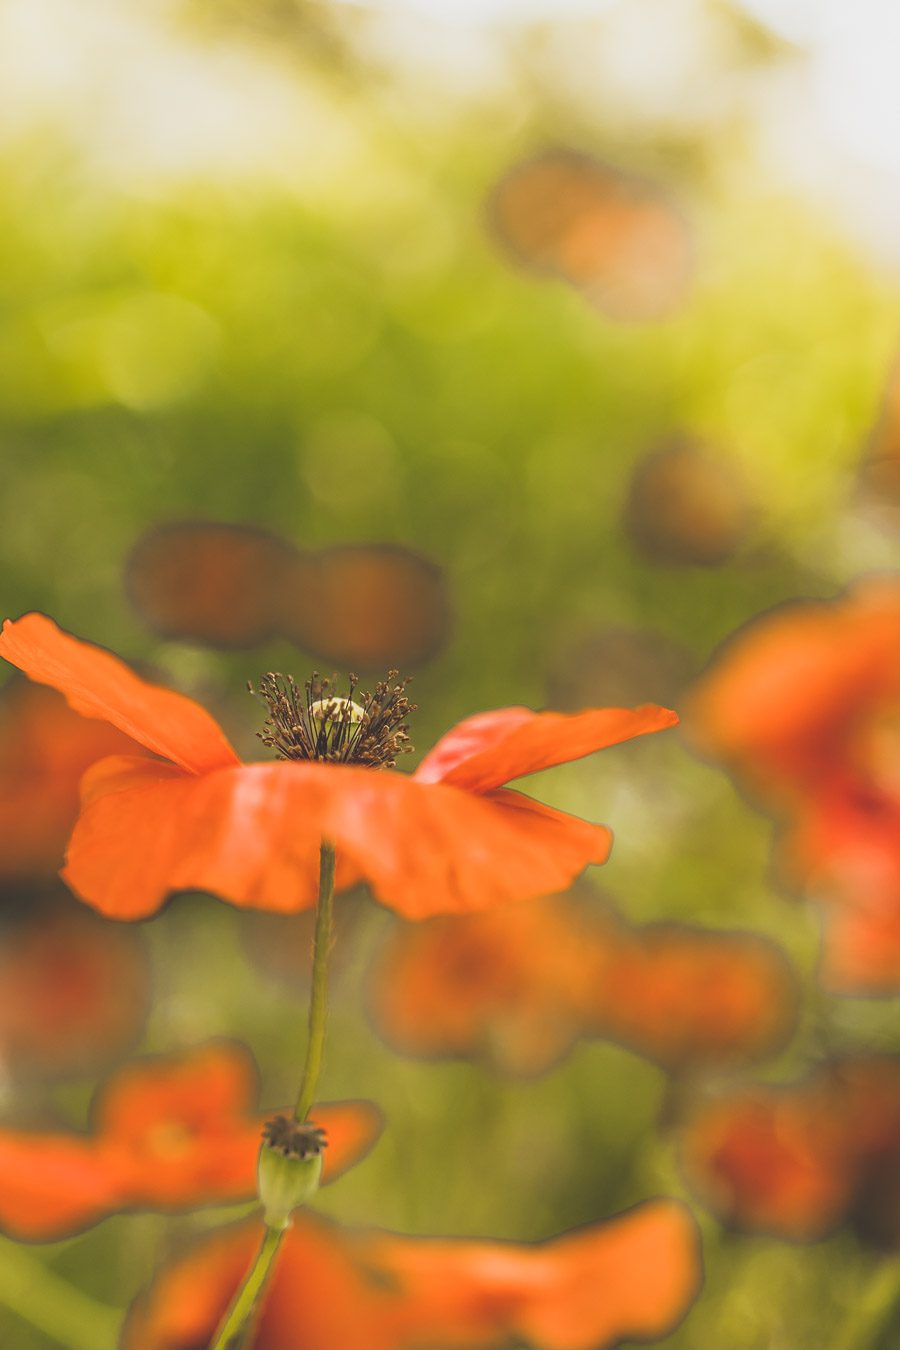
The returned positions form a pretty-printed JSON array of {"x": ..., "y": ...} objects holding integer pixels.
[{"x": 330, "y": 712}]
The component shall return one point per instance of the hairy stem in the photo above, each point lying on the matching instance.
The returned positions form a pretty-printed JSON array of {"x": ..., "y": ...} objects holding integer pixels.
[{"x": 237, "y": 1320}]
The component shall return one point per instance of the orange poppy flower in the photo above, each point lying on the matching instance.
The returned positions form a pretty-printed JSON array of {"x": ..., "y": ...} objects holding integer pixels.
[
  {"x": 172, "y": 1133},
  {"x": 799, "y": 1160},
  {"x": 74, "y": 988},
  {"x": 447, "y": 838},
  {"x": 805, "y": 708},
  {"x": 45, "y": 748},
  {"x": 635, "y": 1276},
  {"x": 520, "y": 993}
]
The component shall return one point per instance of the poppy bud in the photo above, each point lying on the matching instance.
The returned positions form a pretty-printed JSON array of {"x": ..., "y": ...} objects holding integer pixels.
[{"x": 290, "y": 1167}]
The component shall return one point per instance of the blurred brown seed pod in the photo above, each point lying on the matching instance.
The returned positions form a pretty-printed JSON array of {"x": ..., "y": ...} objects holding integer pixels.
[
  {"x": 366, "y": 607},
  {"x": 687, "y": 504},
  {"x": 208, "y": 583},
  {"x": 611, "y": 234}
]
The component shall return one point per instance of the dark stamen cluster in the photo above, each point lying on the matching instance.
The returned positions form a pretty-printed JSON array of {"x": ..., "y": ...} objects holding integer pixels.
[
  {"x": 293, "y": 1138},
  {"x": 316, "y": 723}
]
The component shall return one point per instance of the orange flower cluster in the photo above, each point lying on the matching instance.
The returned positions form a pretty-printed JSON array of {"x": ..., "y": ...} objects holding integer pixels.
[
  {"x": 804, "y": 706},
  {"x": 172, "y": 1133},
  {"x": 446, "y": 839},
  {"x": 521, "y": 992},
  {"x": 634, "y": 1277},
  {"x": 797, "y": 1161},
  {"x": 366, "y": 606}
]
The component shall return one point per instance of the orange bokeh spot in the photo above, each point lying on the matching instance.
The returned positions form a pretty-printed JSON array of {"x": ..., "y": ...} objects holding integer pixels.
[
  {"x": 366, "y": 607},
  {"x": 210, "y": 583},
  {"x": 799, "y": 1160},
  {"x": 611, "y": 234},
  {"x": 687, "y": 505},
  {"x": 45, "y": 747},
  {"x": 520, "y": 989},
  {"x": 635, "y": 1276},
  {"x": 173, "y": 1133},
  {"x": 74, "y": 988}
]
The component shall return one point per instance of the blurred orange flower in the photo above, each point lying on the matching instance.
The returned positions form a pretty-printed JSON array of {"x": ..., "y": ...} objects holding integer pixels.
[
  {"x": 804, "y": 706},
  {"x": 45, "y": 748},
  {"x": 74, "y": 988},
  {"x": 448, "y": 838},
  {"x": 635, "y": 1276},
  {"x": 520, "y": 993},
  {"x": 172, "y": 1133},
  {"x": 612, "y": 235},
  {"x": 801, "y": 1159}
]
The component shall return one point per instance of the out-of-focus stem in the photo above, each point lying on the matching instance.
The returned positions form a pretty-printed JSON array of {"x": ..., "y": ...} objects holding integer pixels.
[{"x": 51, "y": 1304}]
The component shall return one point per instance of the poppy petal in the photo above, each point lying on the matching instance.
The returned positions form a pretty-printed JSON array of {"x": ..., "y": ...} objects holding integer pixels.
[
  {"x": 646, "y": 1263},
  {"x": 351, "y": 1129},
  {"x": 633, "y": 1277},
  {"x": 98, "y": 684},
  {"x": 52, "y": 1185},
  {"x": 493, "y": 748},
  {"x": 252, "y": 836}
]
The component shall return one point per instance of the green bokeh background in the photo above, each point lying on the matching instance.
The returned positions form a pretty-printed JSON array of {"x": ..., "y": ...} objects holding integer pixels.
[{"x": 355, "y": 360}]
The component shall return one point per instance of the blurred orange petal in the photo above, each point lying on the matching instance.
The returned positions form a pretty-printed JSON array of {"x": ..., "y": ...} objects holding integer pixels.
[
  {"x": 686, "y": 997},
  {"x": 785, "y": 698},
  {"x": 182, "y": 1131},
  {"x": 172, "y": 1133},
  {"x": 508, "y": 987},
  {"x": 97, "y": 684},
  {"x": 52, "y": 1185},
  {"x": 366, "y": 606},
  {"x": 800, "y": 1159},
  {"x": 493, "y": 748},
  {"x": 634, "y": 1276},
  {"x": 210, "y": 583},
  {"x": 520, "y": 989}
]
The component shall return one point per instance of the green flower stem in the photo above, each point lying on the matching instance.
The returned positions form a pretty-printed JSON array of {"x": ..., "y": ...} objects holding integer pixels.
[
  {"x": 239, "y": 1314},
  {"x": 315, "y": 1045},
  {"x": 238, "y": 1318},
  {"x": 44, "y": 1300}
]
